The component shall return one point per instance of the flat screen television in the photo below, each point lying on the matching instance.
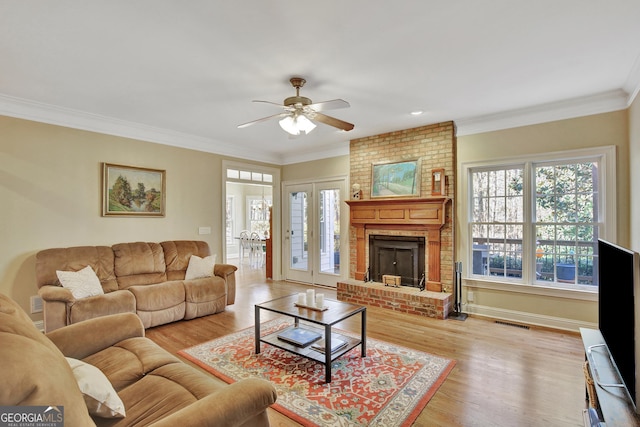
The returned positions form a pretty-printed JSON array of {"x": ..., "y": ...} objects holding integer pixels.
[{"x": 618, "y": 316}]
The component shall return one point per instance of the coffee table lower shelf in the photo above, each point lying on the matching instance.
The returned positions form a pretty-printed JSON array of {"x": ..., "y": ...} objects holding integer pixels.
[
  {"x": 319, "y": 321},
  {"x": 308, "y": 351}
]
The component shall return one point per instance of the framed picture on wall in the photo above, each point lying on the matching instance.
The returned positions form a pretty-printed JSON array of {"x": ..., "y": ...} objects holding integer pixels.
[
  {"x": 132, "y": 191},
  {"x": 396, "y": 179}
]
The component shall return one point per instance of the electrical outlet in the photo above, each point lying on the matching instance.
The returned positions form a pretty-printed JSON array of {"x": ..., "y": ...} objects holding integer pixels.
[
  {"x": 204, "y": 230},
  {"x": 470, "y": 296},
  {"x": 36, "y": 304}
]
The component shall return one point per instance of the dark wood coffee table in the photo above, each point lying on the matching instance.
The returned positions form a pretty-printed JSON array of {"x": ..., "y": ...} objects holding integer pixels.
[{"x": 337, "y": 311}]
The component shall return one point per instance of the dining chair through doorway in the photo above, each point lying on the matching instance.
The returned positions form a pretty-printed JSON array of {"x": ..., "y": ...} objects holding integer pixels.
[
  {"x": 257, "y": 252},
  {"x": 245, "y": 245}
]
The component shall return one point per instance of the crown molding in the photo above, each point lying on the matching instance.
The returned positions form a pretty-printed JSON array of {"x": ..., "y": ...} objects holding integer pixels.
[
  {"x": 632, "y": 85},
  {"x": 30, "y": 110},
  {"x": 60, "y": 116},
  {"x": 335, "y": 150},
  {"x": 584, "y": 106}
]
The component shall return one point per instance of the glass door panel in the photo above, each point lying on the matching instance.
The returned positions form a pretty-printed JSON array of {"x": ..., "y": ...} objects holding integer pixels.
[
  {"x": 298, "y": 234},
  {"x": 329, "y": 214}
]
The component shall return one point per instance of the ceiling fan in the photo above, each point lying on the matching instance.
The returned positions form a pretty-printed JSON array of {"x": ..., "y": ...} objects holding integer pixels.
[{"x": 299, "y": 112}]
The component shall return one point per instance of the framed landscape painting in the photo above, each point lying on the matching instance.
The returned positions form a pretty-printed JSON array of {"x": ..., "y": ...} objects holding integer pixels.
[
  {"x": 398, "y": 179},
  {"x": 132, "y": 191}
]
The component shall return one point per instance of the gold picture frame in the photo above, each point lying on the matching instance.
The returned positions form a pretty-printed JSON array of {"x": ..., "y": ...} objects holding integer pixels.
[
  {"x": 396, "y": 179},
  {"x": 133, "y": 191}
]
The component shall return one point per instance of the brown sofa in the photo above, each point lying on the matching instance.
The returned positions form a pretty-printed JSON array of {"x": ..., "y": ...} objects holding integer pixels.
[
  {"x": 143, "y": 278},
  {"x": 155, "y": 387}
]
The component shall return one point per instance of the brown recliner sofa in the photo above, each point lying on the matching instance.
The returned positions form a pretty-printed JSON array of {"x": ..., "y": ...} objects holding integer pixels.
[
  {"x": 156, "y": 388},
  {"x": 140, "y": 277}
]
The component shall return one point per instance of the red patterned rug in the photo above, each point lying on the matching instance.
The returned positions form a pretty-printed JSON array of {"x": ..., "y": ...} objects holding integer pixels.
[{"x": 389, "y": 387}]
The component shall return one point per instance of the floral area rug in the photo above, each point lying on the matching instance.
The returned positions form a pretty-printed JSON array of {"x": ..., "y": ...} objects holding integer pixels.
[{"x": 389, "y": 387}]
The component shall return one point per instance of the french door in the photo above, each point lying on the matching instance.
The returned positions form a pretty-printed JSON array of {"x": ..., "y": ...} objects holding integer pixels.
[{"x": 312, "y": 237}]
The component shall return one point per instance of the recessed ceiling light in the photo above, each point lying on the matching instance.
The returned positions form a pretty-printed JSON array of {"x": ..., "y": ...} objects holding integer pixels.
[{"x": 417, "y": 112}]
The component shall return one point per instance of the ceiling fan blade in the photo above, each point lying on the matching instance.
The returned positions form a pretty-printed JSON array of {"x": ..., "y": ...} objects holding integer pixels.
[
  {"x": 332, "y": 121},
  {"x": 264, "y": 119},
  {"x": 269, "y": 102},
  {"x": 334, "y": 104}
]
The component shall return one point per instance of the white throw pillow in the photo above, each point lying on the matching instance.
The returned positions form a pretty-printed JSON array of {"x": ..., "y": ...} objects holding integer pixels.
[
  {"x": 82, "y": 284},
  {"x": 200, "y": 267},
  {"x": 99, "y": 395}
]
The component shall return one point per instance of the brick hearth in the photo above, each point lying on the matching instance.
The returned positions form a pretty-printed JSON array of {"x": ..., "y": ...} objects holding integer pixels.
[{"x": 404, "y": 299}]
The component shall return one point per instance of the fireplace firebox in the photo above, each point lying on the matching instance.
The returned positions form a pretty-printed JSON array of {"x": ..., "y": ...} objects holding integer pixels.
[{"x": 402, "y": 256}]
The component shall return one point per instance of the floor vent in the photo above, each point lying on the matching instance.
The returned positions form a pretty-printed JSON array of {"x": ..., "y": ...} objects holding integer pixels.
[{"x": 500, "y": 322}]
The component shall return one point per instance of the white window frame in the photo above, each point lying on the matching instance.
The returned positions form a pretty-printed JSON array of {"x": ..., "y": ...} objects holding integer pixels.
[{"x": 606, "y": 157}]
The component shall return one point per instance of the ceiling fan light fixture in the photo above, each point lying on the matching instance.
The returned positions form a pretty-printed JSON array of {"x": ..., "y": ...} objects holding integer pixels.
[
  {"x": 305, "y": 125},
  {"x": 296, "y": 124}
]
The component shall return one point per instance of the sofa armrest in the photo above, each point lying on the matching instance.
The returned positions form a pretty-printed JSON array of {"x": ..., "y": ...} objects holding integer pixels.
[
  {"x": 242, "y": 403},
  {"x": 227, "y": 272},
  {"x": 91, "y": 336},
  {"x": 56, "y": 293}
]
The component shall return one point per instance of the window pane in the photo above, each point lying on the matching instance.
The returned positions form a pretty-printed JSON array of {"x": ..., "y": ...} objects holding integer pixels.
[
  {"x": 566, "y": 217},
  {"x": 233, "y": 173},
  {"x": 481, "y": 209},
  {"x": 497, "y": 222},
  {"x": 514, "y": 209}
]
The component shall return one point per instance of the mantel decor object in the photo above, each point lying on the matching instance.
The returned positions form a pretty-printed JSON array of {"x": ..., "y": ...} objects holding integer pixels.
[
  {"x": 438, "y": 181},
  {"x": 356, "y": 192},
  {"x": 132, "y": 191}
]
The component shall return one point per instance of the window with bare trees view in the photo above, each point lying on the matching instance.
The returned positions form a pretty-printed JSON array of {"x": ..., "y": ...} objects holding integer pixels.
[{"x": 538, "y": 221}]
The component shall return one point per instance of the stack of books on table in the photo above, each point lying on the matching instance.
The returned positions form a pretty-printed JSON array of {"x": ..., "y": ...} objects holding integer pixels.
[
  {"x": 299, "y": 336},
  {"x": 336, "y": 344}
]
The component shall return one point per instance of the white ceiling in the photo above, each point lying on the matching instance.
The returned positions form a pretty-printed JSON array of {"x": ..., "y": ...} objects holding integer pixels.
[{"x": 184, "y": 73}]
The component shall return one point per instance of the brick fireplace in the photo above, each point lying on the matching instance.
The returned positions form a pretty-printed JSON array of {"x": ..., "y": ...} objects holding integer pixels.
[
  {"x": 427, "y": 216},
  {"x": 400, "y": 217}
]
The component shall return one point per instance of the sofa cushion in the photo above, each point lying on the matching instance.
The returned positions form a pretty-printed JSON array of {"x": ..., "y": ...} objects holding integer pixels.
[
  {"x": 138, "y": 263},
  {"x": 100, "y": 397},
  {"x": 200, "y": 267},
  {"x": 160, "y": 303},
  {"x": 100, "y": 258},
  {"x": 158, "y": 296},
  {"x": 177, "y": 254},
  {"x": 33, "y": 371},
  {"x": 205, "y": 296},
  {"x": 82, "y": 283},
  {"x": 129, "y": 361},
  {"x": 175, "y": 385}
]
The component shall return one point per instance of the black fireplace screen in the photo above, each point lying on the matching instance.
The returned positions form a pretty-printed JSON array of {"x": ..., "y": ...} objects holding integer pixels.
[{"x": 397, "y": 256}]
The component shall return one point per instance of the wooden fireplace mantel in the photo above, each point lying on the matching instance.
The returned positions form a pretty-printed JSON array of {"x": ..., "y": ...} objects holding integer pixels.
[{"x": 423, "y": 214}]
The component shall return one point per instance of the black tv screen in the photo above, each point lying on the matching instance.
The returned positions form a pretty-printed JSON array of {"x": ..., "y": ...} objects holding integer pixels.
[{"x": 617, "y": 293}]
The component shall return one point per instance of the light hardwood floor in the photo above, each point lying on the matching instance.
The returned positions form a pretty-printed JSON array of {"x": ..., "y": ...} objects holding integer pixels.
[{"x": 504, "y": 376}]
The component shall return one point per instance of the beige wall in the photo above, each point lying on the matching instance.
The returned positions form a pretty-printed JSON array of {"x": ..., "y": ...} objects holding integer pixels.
[
  {"x": 584, "y": 132},
  {"x": 634, "y": 178},
  {"x": 325, "y": 168},
  {"x": 50, "y": 187}
]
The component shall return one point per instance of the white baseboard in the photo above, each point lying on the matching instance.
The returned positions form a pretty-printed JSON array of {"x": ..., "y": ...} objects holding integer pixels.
[
  {"x": 527, "y": 318},
  {"x": 39, "y": 324}
]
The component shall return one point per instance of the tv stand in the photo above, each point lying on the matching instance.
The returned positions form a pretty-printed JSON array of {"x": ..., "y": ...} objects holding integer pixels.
[{"x": 615, "y": 407}]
